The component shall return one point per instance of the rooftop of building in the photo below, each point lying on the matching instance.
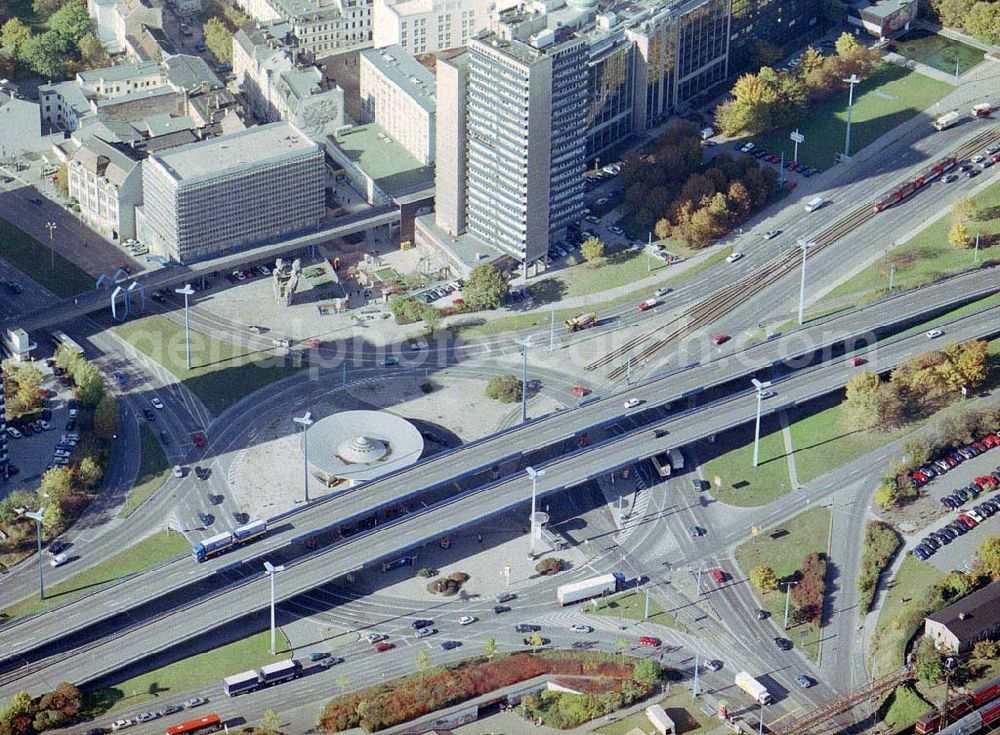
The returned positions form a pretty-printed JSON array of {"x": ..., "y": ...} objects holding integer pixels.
[
  {"x": 302, "y": 9},
  {"x": 139, "y": 95},
  {"x": 264, "y": 39},
  {"x": 971, "y": 615},
  {"x": 390, "y": 166},
  {"x": 882, "y": 8},
  {"x": 188, "y": 73},
  {"x": 119, "y": 72},
  {"x": 403, "y": 70},
  {"x": 466, "y": 250},
  {"x": 105, "y": 160},
  {"x": 71, "y": 93},
  {"x": 164, "y": 123},
  {"x": 223, "y": 155}
]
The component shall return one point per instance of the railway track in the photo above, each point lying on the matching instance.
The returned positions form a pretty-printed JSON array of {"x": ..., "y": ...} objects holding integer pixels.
[{"x": 721, "y": 303}]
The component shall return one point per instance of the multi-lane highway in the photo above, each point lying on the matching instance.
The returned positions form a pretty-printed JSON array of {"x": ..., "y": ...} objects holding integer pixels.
[
  {"x": 512, "y": 446},
  {"x": 474, "y": 506}
]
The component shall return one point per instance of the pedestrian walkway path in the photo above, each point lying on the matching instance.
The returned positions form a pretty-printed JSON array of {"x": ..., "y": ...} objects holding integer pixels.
[{"x": 786, "y": 435}]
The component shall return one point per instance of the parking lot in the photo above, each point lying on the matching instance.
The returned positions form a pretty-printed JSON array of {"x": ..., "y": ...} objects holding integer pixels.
[
  {"x": 958, "y": 553},
  {"x": 34, "y": 450}
]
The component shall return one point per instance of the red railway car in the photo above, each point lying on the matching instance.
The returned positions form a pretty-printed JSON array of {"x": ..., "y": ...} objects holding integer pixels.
[
  {"x": 899, "y": 193},
  {"x": 931, "y": 722}
]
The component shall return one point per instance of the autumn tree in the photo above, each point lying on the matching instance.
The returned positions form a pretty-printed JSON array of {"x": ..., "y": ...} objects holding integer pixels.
[
  {"x": 218, "y": 39},
  {"x": 486, "y": 287},
  {"x": 89, "y": 473},
  {"x": 862, "y": 406},
  {"x": 92, "y": 53},
  {"x": 989, "y": 556},
  {"x": 270, "y": 722},
  {"x": 808, "y": 594},
  {"x": 14, "y": 34},
  {"x": 490, "y": 647},
  {"x": 423, "y": 660},
  {"x": 985, "y": 650},
  {"x": 592, "y": 249},
  {"x": 763, "y": 578}
]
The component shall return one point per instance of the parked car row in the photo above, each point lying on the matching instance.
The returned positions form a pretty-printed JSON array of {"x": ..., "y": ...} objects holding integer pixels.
[
  {"x": 247, "y": 274},
  {"x": 169, "y": 709},
  {"x": 981, "y": 484},
  {"x": 962, "y": 524},
  {"x": 439, "y": 292},
  {"x": 920, "y": 477}
]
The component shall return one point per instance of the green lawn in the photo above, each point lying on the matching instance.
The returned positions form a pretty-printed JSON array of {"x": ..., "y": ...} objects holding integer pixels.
[
  {"x": 742, "y": 484},
  {"x": 903, "y": 707},
  {"x": 960, "y": 311},
  {"x": 632, "y": 606},
  {"x": 159, "y": 547},
  {"x": 822, "y": 443},
  {"x": 554, "y": 287},
  {"x": 900, "y": 616},
  {"x": 32, "y": 257},
  {"x": 679, "y": 705},
  {"x": 153, "y": 472},
  {"x": 190, "y": 673},
  {"x": 888, "y": 98},
  {"x": 927, "y": 256},
  {"x": 222, "y": 372},
  {"x": 803, "y": 534}
]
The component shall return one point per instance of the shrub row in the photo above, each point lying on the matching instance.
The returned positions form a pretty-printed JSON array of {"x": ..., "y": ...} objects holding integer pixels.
[{"x": 881, "y": 544}]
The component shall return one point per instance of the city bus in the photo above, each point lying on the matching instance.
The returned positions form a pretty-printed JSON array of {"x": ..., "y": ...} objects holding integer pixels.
[
  {"x": 61, "y": 339},
  {"x": 206, "y": 724}
]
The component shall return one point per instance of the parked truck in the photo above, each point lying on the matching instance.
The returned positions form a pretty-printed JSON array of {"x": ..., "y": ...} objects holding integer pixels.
[
  {"x": 753, "y": 687},
  {"x": 947, "y": 120},
  {"x": 587, "y": 589},
  {"x": 581, "y": 321},
  {"x": 248, "y": 681},
  {"x": 983, "y": 109}
]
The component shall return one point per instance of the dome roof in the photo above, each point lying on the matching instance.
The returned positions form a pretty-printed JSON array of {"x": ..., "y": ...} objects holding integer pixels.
[{"x": 362, "y": 450}]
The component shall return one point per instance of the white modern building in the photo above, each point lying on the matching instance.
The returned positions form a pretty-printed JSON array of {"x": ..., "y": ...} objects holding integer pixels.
[
  {"x": 397, "y": 92},
  {"x": 108, "y": 186},
  {"x": 115, "y": 81},
  {"x": 425, "y": 26},
  {"x": 321, "y": 27},
  {"x": 231, "y": 192},
  {"x": 277, "y": 85},
  {"x": 526, "y": 133},
  {"x": 119, "y": 22}
]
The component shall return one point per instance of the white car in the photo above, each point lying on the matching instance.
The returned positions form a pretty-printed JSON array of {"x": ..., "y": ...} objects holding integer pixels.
[
  {"x": 178, "y": 471},
  {"x": 72, "y": 413},
  {"x": 581, "y": 628},
  {"x": 375, "y": 637},
  {"x": 934, "y": 333},
  {"x": 46, "y": 426},
  {"x": 975, "y": 515},
  {"x": 632, "y": 402},
  {"x": 978, "y": 157},
  {"x": 733, "y": 257},
  {"x": 767, "y": 394},
  {"x": 418, "y": 344},
  {"x": 121, "y": 724},
  {"x": 770, "y": 234},
  {"x": 661, "y": 292},
  {"x": 157, "y": 404},
  {"x": 746, "y": 147},
  {"x": 62, "y": 453},
  {"x": 13, "y": 432},
  {"x": 467, "y": 620},
  {"x": 604, "y": 200},
  {"x": 616, "y": 230},
  {"x": 424, "y": 632}
]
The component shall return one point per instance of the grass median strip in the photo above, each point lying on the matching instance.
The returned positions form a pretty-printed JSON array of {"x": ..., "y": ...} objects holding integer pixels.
[
  {"x": 735, "y": 481},
  {"x": 153, "y": 472},
  {"x": 632, "y": 606},
  {"x": 190, "y": 673},
  {"x": 152, "y": 550},
  {"x": 221, "y": 373},
  {"x": 783, "y": 549}
]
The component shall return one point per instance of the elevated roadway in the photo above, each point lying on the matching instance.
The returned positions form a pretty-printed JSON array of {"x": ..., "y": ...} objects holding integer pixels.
[
  {"x": 177, "y": 275},
  {"x": 512, "y": 445},
  {"x": 390, "y": 539}
]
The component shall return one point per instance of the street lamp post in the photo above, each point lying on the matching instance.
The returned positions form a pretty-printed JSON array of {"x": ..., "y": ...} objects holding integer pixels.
[
  {"x": 525, "y": 343},
  {"x": 534, "y": 474},
  {"x": 50, "y": 226},
  {"x": 270, "y": 570},
  {"x": 305, "y": 422},
  {"x": 761, "y": 387},
  {"x": 186, "y": 292},
  {"x": 649, "y": 253},
  {"x": 850, "y": 104},
  {"x": 788, "y": 596},
  {"x": 37, "y": 516},
  {"x": 975, "y": 254},
  {"x": 802, "y": 284}
]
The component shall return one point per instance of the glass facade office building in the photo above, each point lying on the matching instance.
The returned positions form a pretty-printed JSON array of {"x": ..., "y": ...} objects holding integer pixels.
[{"x": 772, "y": 22}]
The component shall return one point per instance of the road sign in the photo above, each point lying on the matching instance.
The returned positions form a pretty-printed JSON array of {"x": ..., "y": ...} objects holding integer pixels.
[
  {"x": 717, "y": 480},
  {"x": 754, "y": 530},
  {"x": 797, "y": 137}
]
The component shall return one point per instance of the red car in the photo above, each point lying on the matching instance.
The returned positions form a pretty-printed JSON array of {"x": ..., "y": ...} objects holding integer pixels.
[
  {"x": 383, "y": 646},
  {"x": 991, "y": 440},
  {"x": 792, "y": 165},
  {"x": 721, "y": 338},
  {"x": 967, "y": 521},
  {"x": 791, "y": 184},
  {"x": 647, "y": 304},
  {"x": 718, "y": 575},
  {"x": 856, "y": 361},
  {"x": 198, "y": 438},
  {"x": 579, "y": 392},
  {"x": 774, "y": 158},
  {"x": 648, "y": 640}
]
